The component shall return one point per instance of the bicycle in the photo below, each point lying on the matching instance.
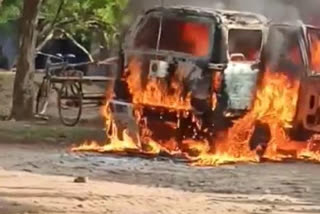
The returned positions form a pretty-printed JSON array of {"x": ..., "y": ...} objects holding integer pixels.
[{"x": 70, "y": 93}]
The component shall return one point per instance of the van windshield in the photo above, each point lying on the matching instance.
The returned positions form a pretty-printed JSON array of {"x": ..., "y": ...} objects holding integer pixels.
[{"x": 179, "y": 34}]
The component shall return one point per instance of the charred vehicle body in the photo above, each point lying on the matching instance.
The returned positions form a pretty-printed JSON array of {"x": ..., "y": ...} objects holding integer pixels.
[
  {"x": 294, "y": 49},
  {"x": 186, "y": 72}
]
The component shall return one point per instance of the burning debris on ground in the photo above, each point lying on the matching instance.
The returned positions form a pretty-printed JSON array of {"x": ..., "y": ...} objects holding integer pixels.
[{"x": 215, "y": 87}]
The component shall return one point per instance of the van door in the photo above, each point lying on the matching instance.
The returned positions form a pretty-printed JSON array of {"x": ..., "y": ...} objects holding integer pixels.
[
  {"x": 285, "y": 52},
  {"x": 309, "y": 101},
  {"x": 244, "y": 49}
]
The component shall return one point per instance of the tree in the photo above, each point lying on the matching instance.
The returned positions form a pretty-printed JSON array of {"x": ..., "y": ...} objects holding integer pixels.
[
  {"x": 23, "y": 93},
  {"x": 77, "y": 18},
  {"x": 9, "y": 10}
]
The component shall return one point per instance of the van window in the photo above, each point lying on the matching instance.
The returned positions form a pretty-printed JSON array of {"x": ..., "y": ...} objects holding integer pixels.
[
  {"x": 245, "y": 42},
  {"x": 179, "y": 34},
  {"x": 283, "y": 51},
  {"x": 314, "y": 47}
]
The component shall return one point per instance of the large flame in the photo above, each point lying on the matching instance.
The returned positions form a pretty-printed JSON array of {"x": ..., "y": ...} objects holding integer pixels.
[
  {"x": 274, "y": 107},
  {"x": 155, "y": 93}
]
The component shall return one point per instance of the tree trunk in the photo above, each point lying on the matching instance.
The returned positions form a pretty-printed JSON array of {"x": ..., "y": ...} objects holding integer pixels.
[{"x": 23, "y": 92}]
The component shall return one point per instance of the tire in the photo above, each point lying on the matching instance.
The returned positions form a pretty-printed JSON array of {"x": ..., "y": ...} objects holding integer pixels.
[
  {"x": 260, "y": 138},
  {"x": 70, "y": 93}
]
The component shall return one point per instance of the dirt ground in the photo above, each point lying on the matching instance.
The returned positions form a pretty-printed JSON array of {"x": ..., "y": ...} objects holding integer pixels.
[
  {"x": 37, "y": 172},
  {"x": 38, "y": 178}
]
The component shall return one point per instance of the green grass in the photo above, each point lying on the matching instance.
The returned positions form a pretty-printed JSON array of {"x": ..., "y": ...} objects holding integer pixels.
[
  {"x": 32, "y": 132},
  {"x": 18, "y": 132}
]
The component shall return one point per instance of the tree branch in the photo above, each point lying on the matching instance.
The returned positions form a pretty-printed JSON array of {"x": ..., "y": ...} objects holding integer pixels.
[
  {"x": 49, "y": 33},
  {"x": 57, "y": 14},
  {"x": 49, "y": 27},
  {"x": 41, "y": 44},
  {"x": 66, "y": 22},
  {"x": 69, "y": 36}
]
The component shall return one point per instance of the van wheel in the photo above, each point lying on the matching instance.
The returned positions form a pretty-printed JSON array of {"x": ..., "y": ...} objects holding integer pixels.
[{"x": 260, "y": 138}]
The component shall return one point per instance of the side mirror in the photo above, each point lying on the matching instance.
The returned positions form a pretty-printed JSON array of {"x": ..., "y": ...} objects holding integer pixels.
[{"x": 237, "y": 57}]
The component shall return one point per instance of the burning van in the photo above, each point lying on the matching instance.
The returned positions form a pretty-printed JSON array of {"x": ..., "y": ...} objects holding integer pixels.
[
  {"x": 294, "y": 50},
  {"x": 215, "y": 87},
  {"x": 186, "y": 72}
]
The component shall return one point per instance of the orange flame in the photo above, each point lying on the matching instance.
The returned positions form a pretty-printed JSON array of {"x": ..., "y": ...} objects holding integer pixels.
[
  {"x": 315, "y": 54},
  {"x": 274, "y": 106},
  {"x": 127, "y": 145},
  {"x": 155, "y": 93},
  {"x": 196, "y": 36},
  {"x": 115, "y": 145}
]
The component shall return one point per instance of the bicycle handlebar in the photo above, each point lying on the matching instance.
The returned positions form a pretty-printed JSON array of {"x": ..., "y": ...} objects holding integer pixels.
[
  {"x": 64, "y": 64},
  {"x": 50, "y": 56},
  {"x": 110, "y": 60}
]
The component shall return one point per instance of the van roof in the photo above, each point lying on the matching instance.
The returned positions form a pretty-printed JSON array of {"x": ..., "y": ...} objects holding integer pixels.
[{"x": 227, "y": 17}]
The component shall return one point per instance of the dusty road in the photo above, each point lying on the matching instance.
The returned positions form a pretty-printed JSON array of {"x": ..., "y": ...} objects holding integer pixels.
[
  {"x": 38, "y": 178},
  {"x": 28, "y": 193}
]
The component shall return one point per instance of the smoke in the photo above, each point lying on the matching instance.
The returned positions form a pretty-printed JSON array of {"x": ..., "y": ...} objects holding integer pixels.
[
  {"x": 219, "y": 5},
  {"x": 277, "y": 10}
]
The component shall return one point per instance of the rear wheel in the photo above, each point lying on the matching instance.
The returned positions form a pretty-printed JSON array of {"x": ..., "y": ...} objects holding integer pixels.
[
  {"x": 260, "y": 138},
  {"x": 70, "y": 104}
]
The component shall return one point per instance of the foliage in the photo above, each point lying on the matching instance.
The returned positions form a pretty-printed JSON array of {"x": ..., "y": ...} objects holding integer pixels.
[
  {"x": 76, "y": 17},
  {"x": 82, "y": 17},
  {"x": 10, "y": 10}
]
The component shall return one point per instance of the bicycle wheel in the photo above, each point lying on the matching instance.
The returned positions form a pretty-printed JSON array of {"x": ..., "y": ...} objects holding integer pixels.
[
  {"x": 70, "y": 103},
  {"x": 73, "y": 73}
]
